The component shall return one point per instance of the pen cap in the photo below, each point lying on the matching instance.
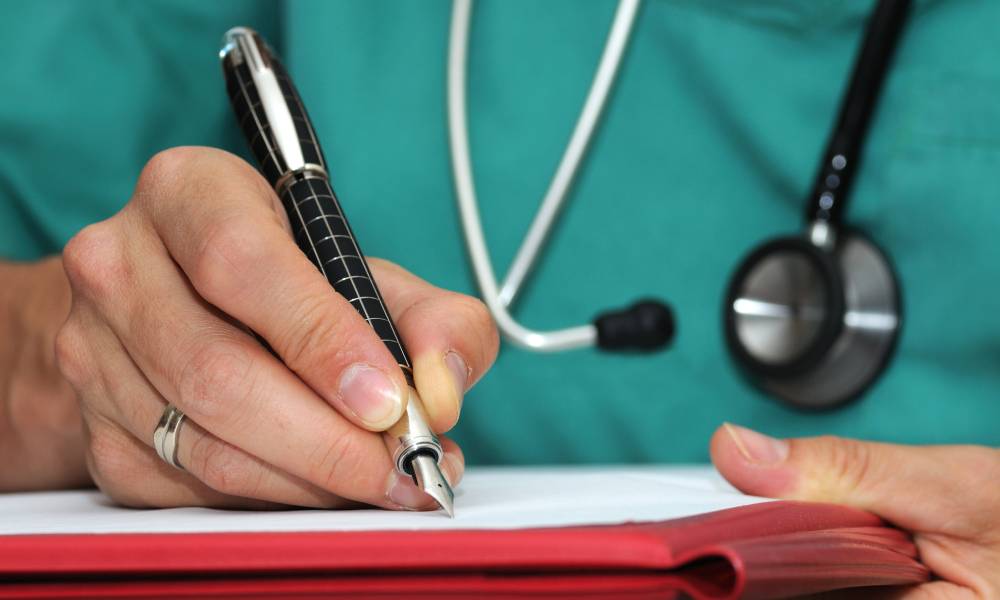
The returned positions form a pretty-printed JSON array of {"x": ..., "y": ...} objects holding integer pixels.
[{"x": 279, "y": 132}]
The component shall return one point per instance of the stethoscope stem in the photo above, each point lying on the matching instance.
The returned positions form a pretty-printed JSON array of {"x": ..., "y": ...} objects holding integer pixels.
[{"x": 828, "y": 198}]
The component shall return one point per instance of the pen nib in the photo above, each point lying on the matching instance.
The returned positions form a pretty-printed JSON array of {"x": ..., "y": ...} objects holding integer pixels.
[{"x": 430, "y": 479}]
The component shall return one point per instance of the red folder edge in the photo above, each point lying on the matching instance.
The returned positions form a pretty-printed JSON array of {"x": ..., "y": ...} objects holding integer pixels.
[{"x": 772, "y": 549}]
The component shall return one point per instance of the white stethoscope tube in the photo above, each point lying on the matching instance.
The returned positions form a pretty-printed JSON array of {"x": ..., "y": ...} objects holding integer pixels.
[{"x": 498, "y": 301}]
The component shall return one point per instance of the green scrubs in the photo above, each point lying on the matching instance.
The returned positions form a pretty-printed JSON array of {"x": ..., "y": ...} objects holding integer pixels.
[{"x": 708, "y": 146}]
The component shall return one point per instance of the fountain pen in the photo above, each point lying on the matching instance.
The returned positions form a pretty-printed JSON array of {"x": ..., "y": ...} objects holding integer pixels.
[{"x": 281, "y": 137}]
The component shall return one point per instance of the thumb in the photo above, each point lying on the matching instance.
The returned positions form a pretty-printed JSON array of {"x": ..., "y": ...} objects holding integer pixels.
[{"x": 920, "y": 488}]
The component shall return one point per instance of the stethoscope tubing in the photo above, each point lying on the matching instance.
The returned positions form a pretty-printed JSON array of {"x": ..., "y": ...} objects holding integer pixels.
[
  {"x": 497, "y": 298},
  {"x": 842, "y": 156},
  {"x": 824, "y": 206},
  {"x": 832, "y": 270}
]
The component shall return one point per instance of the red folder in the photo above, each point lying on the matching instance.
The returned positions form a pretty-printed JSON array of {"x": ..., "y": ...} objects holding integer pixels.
[{"x": 767, "y": 550}]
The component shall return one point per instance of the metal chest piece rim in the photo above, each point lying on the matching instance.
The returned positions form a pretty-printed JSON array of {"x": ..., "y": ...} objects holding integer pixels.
[{"x": 813, "y": 325}]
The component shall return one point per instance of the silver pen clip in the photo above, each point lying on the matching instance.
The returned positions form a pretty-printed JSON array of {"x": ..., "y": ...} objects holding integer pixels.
[{"x": 244, "y": 45}]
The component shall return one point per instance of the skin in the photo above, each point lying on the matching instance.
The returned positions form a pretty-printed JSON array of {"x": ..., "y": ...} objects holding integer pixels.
[
  {"x": 948, "y": 497},
  {"x": 159, "y": 301},
  {"x": 155, "y": 305}
]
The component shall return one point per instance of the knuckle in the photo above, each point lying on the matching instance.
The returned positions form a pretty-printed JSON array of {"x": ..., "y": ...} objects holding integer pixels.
[
  {"x": 319, "y": 337},
  {"x": 166, "y": 167},
  {"x": 216, "y": 381},
  {"x": 465, "y": 319},
  {"x": 222, "y": 468},
  {"x": 186, "y": 176},
  {"x": 329, "y": 464},
  {"x": 229, "y": 252},
  {"x": 484, "y": 328},
  {"x": 174, "y": 168},
  {"x": 70, "y": 353},
  {"x": 94, "y": 261},
  {"x": 475, "y": 311},
  {"x": 112, "y": 465},
  {"x": 848, "y": 461}
]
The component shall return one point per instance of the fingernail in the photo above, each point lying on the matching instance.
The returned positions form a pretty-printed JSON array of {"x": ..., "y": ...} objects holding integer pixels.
[
  {"x": 459, "y": 371},
  {"x": 404, "y": 493},
  {"x": 370, "y": 394},
  {"x": 756, "y": 447}
]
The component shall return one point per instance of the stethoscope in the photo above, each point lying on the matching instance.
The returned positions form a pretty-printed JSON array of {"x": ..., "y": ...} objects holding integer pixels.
[{"x": 811, "y": 319}]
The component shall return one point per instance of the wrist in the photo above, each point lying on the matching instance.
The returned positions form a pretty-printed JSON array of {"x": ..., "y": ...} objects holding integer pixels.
[{"x": 40, "y": 430}]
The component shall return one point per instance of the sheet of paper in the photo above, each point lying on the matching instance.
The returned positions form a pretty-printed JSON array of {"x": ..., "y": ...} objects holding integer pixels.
[{"x": 488, "y": 498}]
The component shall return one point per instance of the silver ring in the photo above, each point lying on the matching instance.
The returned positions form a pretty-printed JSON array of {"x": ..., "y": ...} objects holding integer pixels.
[{"x": 165, "y": 435}]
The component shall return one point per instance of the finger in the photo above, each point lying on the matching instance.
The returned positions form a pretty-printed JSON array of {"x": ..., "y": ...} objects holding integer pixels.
[
  {"x": 219, "y": 474},
  {"x": 901, "y": 483},
  {"x": 942, "y": 494},
  {"x": 131, "y": 473},
  {"x": 120, "y": 396},
  {"x": 451, "y": 339},
  {"x": 217, "y": 218},
  {"x": 218, "y": 375},
  {"x": 216, "y": 463}
]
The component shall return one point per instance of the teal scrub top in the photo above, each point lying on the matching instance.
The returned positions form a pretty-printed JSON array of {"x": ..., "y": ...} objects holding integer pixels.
[{"x": 708, "y": 146}]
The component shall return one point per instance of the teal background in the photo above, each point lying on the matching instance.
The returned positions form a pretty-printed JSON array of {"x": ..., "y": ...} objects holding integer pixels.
[{"x": 707, "y": 147}]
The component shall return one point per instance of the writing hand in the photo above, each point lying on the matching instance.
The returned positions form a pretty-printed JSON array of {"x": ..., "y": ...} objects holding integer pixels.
[{"x": 163, "y": 294}]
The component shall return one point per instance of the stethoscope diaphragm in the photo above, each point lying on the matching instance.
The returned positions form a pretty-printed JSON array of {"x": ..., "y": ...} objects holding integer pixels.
[{"x": 813, "y": 326}]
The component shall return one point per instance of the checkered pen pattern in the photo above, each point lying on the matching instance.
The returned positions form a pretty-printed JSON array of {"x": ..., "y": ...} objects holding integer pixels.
[{"x": 318, "y": 224}]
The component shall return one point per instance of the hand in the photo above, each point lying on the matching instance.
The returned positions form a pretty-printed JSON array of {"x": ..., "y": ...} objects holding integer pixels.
[
  {"x": 41, "y": 439},
  {"x": 163, "y": 295},
  {"x": 948, "y": 497}
]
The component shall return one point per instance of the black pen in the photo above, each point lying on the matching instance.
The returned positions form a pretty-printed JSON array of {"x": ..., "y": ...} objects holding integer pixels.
[{"x": 281, "y": 137}]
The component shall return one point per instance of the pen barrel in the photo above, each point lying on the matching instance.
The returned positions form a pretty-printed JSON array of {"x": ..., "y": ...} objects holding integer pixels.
[
  {"x": 280, "y": 135},
  {"x": 324, "y": 235}
]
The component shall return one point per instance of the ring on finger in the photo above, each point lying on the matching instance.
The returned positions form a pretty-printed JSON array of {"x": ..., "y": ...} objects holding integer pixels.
[{"x": 165, "y": 435}]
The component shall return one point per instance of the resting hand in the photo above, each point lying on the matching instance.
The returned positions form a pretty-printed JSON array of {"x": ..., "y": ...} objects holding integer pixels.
[
  {"x": 163, "y": 294},
  {"x": 948, "y": 497}
]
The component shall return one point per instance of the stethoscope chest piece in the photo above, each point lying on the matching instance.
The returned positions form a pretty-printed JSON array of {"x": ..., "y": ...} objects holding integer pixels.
[
  {"x": 813, "y": 325},
  {"x": 813, "y": 319}
]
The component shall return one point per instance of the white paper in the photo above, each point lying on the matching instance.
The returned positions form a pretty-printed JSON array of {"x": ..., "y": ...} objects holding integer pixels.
[{"x": 488, "y": 498}]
